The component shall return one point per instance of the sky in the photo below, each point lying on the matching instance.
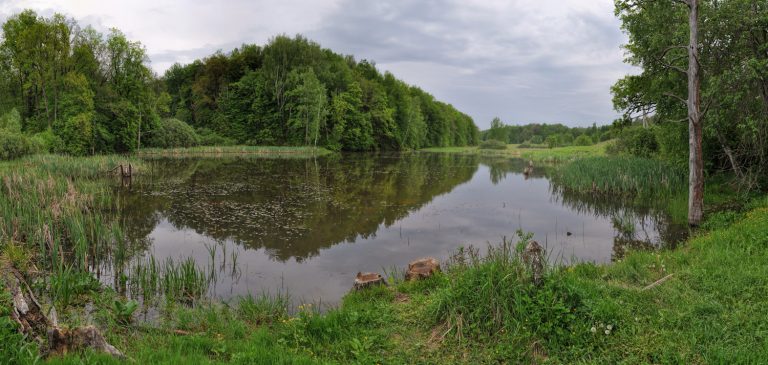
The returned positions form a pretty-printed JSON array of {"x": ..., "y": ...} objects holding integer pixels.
[{"x": 545, "y": 61}]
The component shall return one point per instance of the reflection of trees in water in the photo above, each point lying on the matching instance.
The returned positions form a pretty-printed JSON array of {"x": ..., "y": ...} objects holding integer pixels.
[
  {"x": 637, "y": 226},
  {"x": 290, "y": 207},
  {"x": 500, "y": 167}
]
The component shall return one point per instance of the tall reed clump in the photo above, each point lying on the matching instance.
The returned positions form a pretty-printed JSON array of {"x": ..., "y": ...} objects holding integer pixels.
[
  {"x": 61, "y": 210},
  {"x": 493, "y": 297},
  {"x": 621, "y": 175}
]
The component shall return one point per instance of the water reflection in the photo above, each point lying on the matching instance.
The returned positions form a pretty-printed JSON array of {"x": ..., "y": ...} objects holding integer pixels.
[{"x": 308, "y": 225}]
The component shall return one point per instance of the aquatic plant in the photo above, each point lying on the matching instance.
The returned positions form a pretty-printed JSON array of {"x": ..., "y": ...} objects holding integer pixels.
[{"x": 627, "y": 176}]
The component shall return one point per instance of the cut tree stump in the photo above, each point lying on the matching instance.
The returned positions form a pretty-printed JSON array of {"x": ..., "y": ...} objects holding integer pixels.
[
  {"x": 422, "y": 268},
  {"x": 368, "y": 279},
  {"x": 61, "y": 341}
]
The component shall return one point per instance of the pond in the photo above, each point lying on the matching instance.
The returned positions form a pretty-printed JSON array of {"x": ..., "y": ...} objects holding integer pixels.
[{"x": 306, "y": 226}]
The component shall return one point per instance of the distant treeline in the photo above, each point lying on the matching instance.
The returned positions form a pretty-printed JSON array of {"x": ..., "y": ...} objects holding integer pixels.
[
  {"x": 553, "y": 135},
  {"x": 65, "y": 88}
]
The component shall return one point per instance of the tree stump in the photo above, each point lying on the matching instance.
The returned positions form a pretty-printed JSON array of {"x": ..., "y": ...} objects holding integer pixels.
[
  {"x": 368, "y": 279},
  {"x": 422, "y": 268},
  {"x": 533, "y": 256},
  {"x": 62, "y": 341}
]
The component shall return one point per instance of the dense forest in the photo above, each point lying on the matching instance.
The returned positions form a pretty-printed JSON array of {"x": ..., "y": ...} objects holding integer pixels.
[{"x": 69, "y": 89}]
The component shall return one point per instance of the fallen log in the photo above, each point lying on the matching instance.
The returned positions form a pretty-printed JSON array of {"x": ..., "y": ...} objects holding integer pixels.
[{"x": 34, "y": 324}]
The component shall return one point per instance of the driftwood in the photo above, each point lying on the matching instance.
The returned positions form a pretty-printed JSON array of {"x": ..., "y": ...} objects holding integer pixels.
[
  {"x": 26, "y": 309},
  {"x": 658, "y": 282},
  {"x": 125, "y": 170},
  {"x": 368, "y": 279},
  {"x": 34, "y": 324},
  {"x": 533, "y": 256},
  {"x": 422, "y": 268}
]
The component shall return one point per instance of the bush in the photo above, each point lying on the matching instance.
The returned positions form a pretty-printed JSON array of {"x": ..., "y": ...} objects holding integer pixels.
[
  {"x": 673, "y": 143},
  {"x": 210, "y": 138},
  {"x": 172, "y": 133},
  {"x": 492, "y": 144},
  {"x": 583, "y": 140},
  {"x": 638, "y": 141},
  {"x": 11, "y": 121},
  {"x": 14, "y": 145},
  {"x": 46, "y": 142}
]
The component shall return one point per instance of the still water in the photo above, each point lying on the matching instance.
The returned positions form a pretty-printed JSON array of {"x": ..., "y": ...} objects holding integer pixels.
[{"x": 307, "y": 226}]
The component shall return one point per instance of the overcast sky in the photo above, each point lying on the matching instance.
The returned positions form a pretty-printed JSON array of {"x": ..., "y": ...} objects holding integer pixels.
[{"x": 522, "y": 60}]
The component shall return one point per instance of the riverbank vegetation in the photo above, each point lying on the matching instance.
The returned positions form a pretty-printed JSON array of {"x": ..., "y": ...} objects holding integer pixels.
[
  {"x": 85, "y": 93},
  {"x": 630, "y": 311}
]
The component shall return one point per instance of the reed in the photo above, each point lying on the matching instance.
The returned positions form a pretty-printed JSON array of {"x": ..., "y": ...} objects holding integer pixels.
[
  {"x": 61, "y": 211},
  {"x": 624, "y": 176}
]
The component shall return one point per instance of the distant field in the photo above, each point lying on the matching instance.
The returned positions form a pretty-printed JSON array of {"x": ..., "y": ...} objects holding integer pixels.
[{"x": 537, "y": 153}]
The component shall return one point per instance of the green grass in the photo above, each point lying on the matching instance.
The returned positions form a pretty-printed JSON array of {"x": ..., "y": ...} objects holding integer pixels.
[
  {"x": 621, "y": 175},
  {"x": 550, "y": 155},
  {"x": 226, "y": 150}
]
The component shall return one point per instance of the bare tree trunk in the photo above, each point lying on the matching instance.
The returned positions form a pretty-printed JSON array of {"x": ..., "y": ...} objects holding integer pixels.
[{"x": 695, "y": 130}]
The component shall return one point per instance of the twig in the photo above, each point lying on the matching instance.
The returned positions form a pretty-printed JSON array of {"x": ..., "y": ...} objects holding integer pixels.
[{"x": 657, "y": 282}]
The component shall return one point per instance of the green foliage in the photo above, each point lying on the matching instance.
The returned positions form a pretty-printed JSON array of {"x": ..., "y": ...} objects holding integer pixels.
[
  {"x": 492, "y": 297},
  {"x": 210, "y": 138},
  {"x": 15, "y": 348},
  {"x": 638, "y": 141},
  {"x": 172, "y": 133},
  {"x": 11, "y": 121},
  {"x": 583, "y": 140},
  {"x": 123, "y": 311},
  {"x": 492, "y": 144},
  {"x": 47, "y": 141},
  {"x": 732, "y": 79},
  {"x": 14, "y": 145},
  {"x": 632, "y": 176}
]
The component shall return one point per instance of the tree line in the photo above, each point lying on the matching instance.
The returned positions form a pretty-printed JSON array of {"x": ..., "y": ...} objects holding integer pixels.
[
  {"x": 551, "y": 135},
  {"x": 70, "y": 89}
]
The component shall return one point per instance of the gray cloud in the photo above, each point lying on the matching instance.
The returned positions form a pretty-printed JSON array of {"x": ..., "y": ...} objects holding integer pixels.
[{"x": 524, "y": 61}]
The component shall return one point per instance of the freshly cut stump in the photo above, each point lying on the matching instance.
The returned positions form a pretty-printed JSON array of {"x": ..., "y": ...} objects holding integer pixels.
[
  {"x": 422, "y": 268},
  {"x": 368, "y": 279}
]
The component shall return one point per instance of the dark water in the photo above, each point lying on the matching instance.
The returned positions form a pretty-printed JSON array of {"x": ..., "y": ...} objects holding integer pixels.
[{"x": 307, "y": 226}]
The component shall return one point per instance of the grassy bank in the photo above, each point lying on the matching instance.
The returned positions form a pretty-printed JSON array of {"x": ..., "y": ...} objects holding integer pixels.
[
  {"x": 235, "y": 150},
  {"x": 712, "y": 309},
  {"x": 557, "y": 154}
]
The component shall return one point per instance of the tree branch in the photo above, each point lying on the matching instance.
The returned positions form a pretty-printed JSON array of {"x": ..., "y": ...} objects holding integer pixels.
[{"x": 684, "y": 101}]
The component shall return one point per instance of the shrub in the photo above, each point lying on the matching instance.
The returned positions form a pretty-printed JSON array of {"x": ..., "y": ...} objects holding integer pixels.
[
  {"x": 14, "y": 145},
  {"x": 46, "y": 142},
  {"x": 11, "y": 121},
  {"x": 673, "y": 143},
  {"x": 582, "y": 140},
  {"x": 638, "y": 141},
  {"x": 173, "y": 133},
  {"x": 552, "y": 141},
  {"x": 209, "y": 137},
  {"x": 492, "y": 144}
]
